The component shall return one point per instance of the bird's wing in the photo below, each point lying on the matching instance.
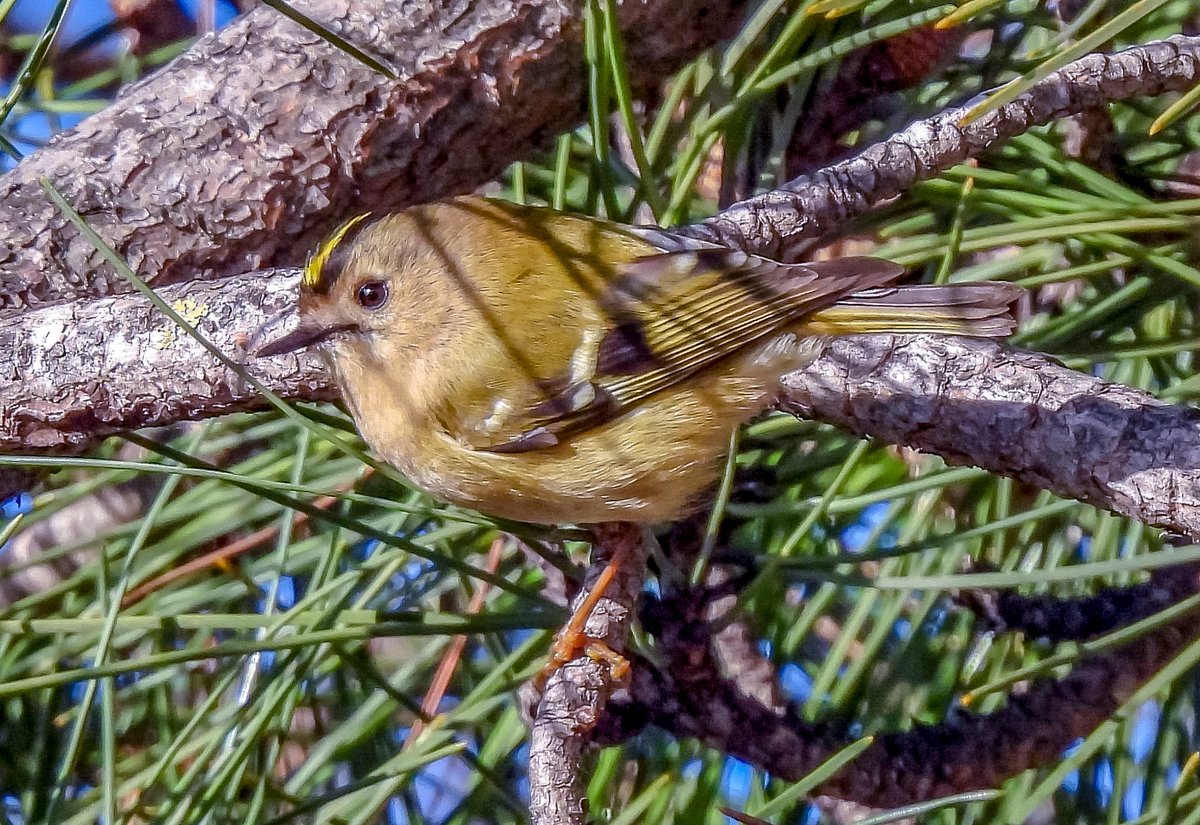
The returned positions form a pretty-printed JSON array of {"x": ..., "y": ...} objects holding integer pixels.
[{"x": 668, "y": 316}]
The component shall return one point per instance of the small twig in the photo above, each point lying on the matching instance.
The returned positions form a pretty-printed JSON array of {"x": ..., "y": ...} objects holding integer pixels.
[
  {"x": 577, "y": 692},
  {"x": 742, "y": 816},
  {"x": 151, "y": 24},
  {"x": 734, "y": 644},
  {"x": 1056, "y": 618},
  {"x": 28, "y": 567}
]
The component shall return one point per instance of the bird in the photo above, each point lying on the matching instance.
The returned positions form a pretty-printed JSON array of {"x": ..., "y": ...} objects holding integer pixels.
[
  {"x": 540, "y": 366},
  {"x": 547, "y": 367}
]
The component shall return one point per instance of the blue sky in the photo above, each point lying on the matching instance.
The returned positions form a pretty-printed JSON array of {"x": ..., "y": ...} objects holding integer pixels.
[
  {"x": 86, "y": 15},
  {"x": 83, "y": 16}
]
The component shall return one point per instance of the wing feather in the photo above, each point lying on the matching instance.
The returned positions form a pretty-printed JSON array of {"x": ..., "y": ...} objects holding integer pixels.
[{"x": 675, "y": 313}]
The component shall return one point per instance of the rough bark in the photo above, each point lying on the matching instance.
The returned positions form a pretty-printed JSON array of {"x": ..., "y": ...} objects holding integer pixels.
[
  {"x": 243, "y": 151},
  {"x": 782, "y": 223},
  {"x": 1015, "y": 414},
  {"x": 577, "y": 692},
  {"x": 85, "y": 369}
]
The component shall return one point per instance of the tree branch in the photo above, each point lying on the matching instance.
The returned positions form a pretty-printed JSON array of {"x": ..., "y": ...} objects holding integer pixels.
[
  {"x": 577, "y": 692},
  {"x": 1016, "y": 414},
  {"x": 83, "y": 370},
  {"x": 784, "y": 222},
  {"x": 1058, "y": 618}
]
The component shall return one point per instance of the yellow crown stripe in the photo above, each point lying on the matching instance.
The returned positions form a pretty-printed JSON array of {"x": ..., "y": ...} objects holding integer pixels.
[{"x": 312, "y": 270}]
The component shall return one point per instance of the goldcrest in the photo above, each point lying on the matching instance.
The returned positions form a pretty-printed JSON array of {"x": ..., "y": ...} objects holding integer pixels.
[{"x": 547, "y": 367}]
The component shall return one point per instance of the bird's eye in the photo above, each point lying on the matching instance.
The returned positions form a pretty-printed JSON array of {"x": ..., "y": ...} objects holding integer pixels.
[{"x": 372, "y": 294}]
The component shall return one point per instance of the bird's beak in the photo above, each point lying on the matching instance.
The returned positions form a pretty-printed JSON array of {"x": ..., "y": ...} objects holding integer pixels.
[{"x": 302, "y": 336}]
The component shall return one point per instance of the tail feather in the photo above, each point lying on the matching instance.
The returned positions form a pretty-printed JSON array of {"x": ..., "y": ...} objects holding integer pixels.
[{"x": 982, "y": 309}]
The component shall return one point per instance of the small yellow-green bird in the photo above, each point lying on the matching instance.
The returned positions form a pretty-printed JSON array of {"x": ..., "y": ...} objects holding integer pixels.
[{"x": 546, "y": 367}]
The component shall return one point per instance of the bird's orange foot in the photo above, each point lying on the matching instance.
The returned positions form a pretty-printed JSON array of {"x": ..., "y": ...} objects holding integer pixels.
[
  {"x": 573, "y": 640},
  {"x": 568, "y": 647},
  {"x": 618, "y": 665}
]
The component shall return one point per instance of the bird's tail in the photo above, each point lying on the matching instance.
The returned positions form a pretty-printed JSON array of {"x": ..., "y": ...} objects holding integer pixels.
[{"x": 983, "y": 309}]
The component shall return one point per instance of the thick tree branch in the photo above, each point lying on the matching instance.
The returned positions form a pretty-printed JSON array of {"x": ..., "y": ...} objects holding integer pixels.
[
  {"x": 86, "y": 369},
  {"x": 242, "y": 152},
  {"x": 1015, "y": 414},
  {"x": 783, "y": 222}
]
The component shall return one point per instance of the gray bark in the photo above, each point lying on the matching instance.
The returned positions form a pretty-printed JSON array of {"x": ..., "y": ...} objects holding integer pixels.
[
  {"x": 577, "y": 692},
  {"x": 86, "y": 369},
  {"x": 1016, "y": 414},
  {"x": 784, "y": 222}
]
